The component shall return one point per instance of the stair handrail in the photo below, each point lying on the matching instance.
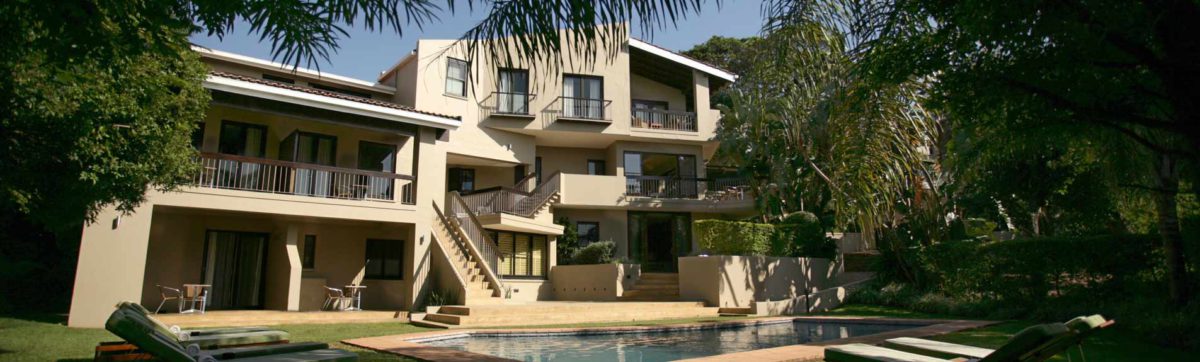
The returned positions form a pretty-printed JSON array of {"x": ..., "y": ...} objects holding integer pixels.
[
  {"x": 544, "y": 192},
  {"x": 479, "y": 244},
  {"x": 446, "y": 253},
  {"x": 526, "y": 183}
]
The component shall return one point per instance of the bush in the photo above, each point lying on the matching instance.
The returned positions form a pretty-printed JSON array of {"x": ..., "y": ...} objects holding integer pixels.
[
  {"x": 567, "y": 243},
  {"x": 600, "y": 252},
  {"x": 721, "y": 237},
  {"x": 801, "y": 235}
]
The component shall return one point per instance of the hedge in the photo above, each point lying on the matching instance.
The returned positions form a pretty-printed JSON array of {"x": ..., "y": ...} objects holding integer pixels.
[
  {"x": 800, "y": 236},
  {"x": 721, "y": 237},
  {"x": 600, "y": 252}
]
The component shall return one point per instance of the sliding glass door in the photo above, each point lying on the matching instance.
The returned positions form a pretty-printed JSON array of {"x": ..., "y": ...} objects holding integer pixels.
[{"x": 234, "y": 265}]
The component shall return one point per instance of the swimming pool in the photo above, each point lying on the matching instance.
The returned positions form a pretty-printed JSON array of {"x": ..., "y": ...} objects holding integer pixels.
[{"x": 659, "y": 345}]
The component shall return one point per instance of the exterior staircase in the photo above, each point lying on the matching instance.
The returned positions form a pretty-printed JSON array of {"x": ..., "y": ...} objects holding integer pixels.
[
  {"x": 658, "y": 287},
  {"x": 471, "y": 270}
]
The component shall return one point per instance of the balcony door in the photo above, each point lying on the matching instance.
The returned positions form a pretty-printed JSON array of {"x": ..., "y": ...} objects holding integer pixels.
[
  {"x": 513, "y": 95},
  {"x": 645, "y": 115},
  {"x": 381, "y": 158},
  {"x": 311, "y": 148},
  {"x": 658, "y": 239},
  {"x": 235, "y": 265},
  {"x": 583, "y": 97},
  {"x": 250, "y": 142},
  {"x": 661, "y": 175}
]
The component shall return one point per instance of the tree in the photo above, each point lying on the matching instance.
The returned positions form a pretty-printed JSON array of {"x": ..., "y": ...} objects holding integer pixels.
[{"x": 1103, "y": 67}]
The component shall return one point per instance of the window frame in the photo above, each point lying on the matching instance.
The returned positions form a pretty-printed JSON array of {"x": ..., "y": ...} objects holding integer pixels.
[
  {"x": 600, "y": 169},
  {"x": 460, "y": 171},
  {"x": 395, "y": 156},
  {"x": 383, "y": 273},
  {"x": 495, "y": 235},
  {"x": 262, "y": 142},
  {"x": 198, "y": 136},
  {"x": 595, "y": 230},
  {"x": 450, "y": 61}
]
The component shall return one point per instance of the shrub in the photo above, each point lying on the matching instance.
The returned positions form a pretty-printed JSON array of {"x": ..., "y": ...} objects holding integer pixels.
[
  {"x": 801, "y": 235},
  {"x": 721, "y": 237},
  {"x": 600, "y": 252},
  {"x": 567, "y": 243}
]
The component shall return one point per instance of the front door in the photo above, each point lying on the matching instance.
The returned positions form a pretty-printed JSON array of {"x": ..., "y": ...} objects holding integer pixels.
[
  {"x": 234, "y": 265},
  {"x": 658, "y": 239}
]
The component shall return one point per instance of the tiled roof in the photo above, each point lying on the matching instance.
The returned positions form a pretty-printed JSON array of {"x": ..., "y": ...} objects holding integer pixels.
[{"x": 329, "y": 94}]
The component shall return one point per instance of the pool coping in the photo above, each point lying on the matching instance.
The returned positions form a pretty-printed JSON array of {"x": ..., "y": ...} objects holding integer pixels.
[{"x": 411, "y": 345}]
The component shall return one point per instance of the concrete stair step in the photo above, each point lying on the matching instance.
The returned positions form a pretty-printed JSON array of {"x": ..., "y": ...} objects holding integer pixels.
[
  {"x": 444, "y": 318},
  {"x": 640, "y": 286},
  {"x": 432, "y": 324}
]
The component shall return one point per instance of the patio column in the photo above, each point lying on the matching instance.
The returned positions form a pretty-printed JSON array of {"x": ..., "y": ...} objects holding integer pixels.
[
  {"x": 112, "y": 264},
  {"x": 292, "y": 245}
]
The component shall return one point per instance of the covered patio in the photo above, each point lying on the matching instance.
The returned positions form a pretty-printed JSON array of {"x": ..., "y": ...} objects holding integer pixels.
[{"x": 271, "y": 263}]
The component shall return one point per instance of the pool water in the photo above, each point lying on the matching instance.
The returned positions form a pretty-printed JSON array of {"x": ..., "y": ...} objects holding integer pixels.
[{"x": 660, "y": 346}]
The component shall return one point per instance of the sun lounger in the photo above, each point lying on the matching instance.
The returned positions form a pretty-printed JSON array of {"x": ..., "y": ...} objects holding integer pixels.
[
  {"x": 209, "y": 338},
  {"x": 1028, "y": 345},
  {"x": 1081, "y": 328},
  {"x": 149, "y": 338}
]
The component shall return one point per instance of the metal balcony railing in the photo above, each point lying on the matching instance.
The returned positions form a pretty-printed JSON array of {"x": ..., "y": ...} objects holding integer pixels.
[
  {"x": 507, "y": 104},
  {"x": 674, "y": 187},
  {"x": 220, "y": 171},
  {"x": 588, "y": 109},
  {"x": 660, "y": 119},
  {"x": 513, "y": 201}
]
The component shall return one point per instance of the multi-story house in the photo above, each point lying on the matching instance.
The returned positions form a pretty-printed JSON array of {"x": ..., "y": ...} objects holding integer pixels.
[{"x": 446, "y": 172}]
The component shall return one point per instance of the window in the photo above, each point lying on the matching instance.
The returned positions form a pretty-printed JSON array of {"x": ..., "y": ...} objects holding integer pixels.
[
  {"x": 385, "y": 259},
  {"x": 311, "y": 148},
  {"x": 276, "y": 78},
  {"x": 456, "y": 77},
  {"x": 461, "y": 180},
  {"x": 521, "y": 255},
  {"x": 308, "y": 253},
  {"x": 588, "y": 232},
  {"x": 376, "y": 157},
  {"x": 519, "y": 173},
  {"x": 340, "y": 90},
  {"x": 243, "y": 139},
  {"x": 198, "y": 136},
  {"x": 513, "y": 95},
  {"x": 596, "y": 167},
  {"x": 649, "y": 114},
  {"x": 583, "y": 97}
]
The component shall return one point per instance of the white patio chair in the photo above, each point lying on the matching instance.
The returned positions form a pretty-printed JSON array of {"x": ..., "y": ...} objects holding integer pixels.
[
  {"x": 169, "y": 293},
  {"x": 334, "y": 297}
]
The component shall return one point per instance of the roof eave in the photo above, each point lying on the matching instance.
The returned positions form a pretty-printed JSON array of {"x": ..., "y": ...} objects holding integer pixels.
[
  {"x": 333, "y": 104},
  {"x": 689, "y": 62}
]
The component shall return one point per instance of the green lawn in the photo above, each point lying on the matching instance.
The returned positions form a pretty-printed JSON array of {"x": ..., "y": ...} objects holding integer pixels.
[
  {"x": 46, "y": 338},
  {"x": 1110, "y": 344}
]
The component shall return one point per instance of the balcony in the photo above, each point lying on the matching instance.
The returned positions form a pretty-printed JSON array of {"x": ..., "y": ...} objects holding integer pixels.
[
  {"x": 507, "y": 104},
  {"x": 657, "y": 119},
  {"x": 583, "y": 110},
  {"x": 671, "y": 187},
  {"x": 221, "y": 171}
]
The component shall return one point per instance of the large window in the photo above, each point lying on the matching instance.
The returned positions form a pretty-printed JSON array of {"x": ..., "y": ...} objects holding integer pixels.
[
  {"x": 243, "y": 139},
  {"x": 461, "y": 180},
  {"x": 456, "y": 77},
  {"x": 385, "y": 259},
  {"x": 588, "y": 232},
  {"x": 583, "y": 97},
  {"x": 513, "y": 96},
  {"x": 521, "y": 255}
]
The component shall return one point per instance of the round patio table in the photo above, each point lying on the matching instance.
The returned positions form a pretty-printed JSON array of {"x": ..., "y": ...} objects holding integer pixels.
[{"x": 355, "y": 292}]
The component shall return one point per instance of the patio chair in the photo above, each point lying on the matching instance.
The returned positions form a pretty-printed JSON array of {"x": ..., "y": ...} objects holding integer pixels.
[
  {"x": 335, "y": 297},
  {"x": 169, "y": 293},
  {"x": 1080, "y": 327},
  {"x": 1030, "y": 345},
  {"x": 208, "y": 339},
  {"x": 133, "y": 328}
]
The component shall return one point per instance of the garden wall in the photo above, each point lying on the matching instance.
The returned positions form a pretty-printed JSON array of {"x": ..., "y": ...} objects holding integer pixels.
[
  {"x": 596, "y": 282},
  {"x": 740, "y": 281}
]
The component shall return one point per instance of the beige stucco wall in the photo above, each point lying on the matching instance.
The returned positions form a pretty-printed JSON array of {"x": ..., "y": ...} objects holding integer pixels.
[
  {"x": 597, "y": 282},
  {"x": 527, "y": 290},
  {"x": 571, "y": 160},
  {"x": 739, "y": 281},
  {"x": 642, "y": 88}
]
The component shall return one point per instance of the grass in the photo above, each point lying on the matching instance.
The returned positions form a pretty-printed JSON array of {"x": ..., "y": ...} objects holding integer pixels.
[{"x": 1110, "y": 344}]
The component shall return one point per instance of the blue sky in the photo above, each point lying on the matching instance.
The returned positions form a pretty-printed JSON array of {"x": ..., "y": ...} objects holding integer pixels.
[{"x": 364, "y": 54}]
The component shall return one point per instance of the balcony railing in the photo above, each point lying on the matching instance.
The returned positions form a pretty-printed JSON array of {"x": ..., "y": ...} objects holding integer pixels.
[
  {"x": 507, "y": 104},
  {"x": 585, "y": 109},
  {"x": 660, "y": 119},
  {"x": 220, "y": 171},
  {"x": 672, "y": 187}
]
